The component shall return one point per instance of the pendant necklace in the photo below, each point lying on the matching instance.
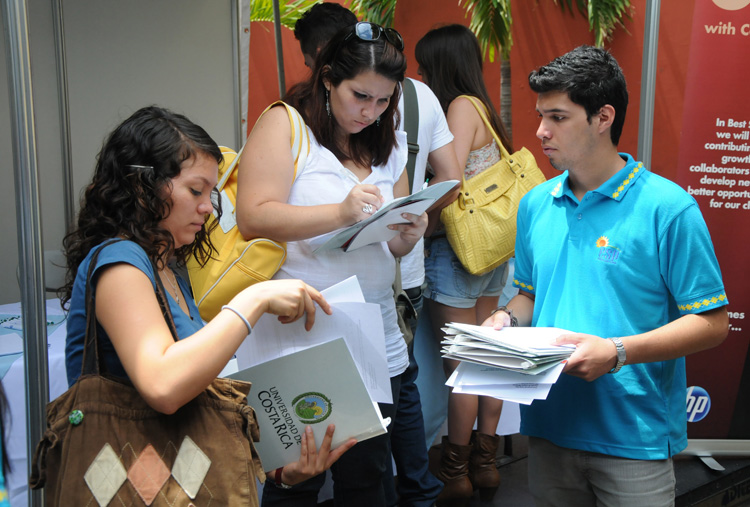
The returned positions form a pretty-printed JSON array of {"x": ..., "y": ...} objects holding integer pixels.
[{"x": 174, "y": 287}]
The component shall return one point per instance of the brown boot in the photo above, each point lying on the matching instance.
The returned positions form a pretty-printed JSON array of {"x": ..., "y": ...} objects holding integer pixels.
[
  {"x": 453, "y": 472},
  {"x": 483, "y": 472}
]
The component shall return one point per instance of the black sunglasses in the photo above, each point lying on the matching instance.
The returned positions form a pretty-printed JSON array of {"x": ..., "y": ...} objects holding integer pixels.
[{"x": 370, "y": 32}]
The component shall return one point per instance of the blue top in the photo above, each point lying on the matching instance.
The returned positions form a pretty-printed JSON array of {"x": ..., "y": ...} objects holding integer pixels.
[
  {"x": 130, "y": 253},
  {"x": 632, "y": 256}
]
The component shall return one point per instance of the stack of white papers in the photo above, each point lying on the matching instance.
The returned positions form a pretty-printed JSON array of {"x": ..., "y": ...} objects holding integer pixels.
[
  {"x": 527, "y": 350},
  {"x": 472, "y": 378}
]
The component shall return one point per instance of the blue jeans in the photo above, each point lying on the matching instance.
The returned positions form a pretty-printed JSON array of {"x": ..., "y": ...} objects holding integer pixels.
[
  {"x": 417, "y": 487},
  {"x": 450, "y": 284},
  {"x": 357, "y": 475}
]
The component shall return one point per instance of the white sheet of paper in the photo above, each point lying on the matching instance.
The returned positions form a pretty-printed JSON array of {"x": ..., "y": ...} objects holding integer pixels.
[
  {"x": 523, "y": 339},
  {"x": 379, "y": 231},
  {"x": 338, "y": 238},
  {"x": 476, "y": 374},
  {"x": 472, "y": 378},
  {"x": 360, "y": 324},
  {"x": 494, "y": 392},
  {"x": 347, "y": 291}
]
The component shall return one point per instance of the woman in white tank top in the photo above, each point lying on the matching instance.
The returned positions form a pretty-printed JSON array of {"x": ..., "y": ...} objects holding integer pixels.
[{"x": 355, "y": 164}]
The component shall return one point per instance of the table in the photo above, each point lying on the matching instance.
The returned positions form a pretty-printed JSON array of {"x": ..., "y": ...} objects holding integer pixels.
[{"x": 15, "y": 391}]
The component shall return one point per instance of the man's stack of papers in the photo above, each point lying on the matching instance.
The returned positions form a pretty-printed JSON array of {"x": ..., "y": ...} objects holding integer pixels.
[
  {"x": 472, "y": 378},
  {"x": 517, "y": 364},
  {"x": 527, "y": 350}
]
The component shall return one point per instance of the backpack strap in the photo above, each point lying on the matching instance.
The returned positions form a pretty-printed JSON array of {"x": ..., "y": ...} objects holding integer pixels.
[
  {"x": 300, "y": 144},
  {"x": 411, "y": 124}
]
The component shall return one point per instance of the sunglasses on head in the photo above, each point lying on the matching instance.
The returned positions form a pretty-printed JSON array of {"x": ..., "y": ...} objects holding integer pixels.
[{"x": 370, "y": 32}]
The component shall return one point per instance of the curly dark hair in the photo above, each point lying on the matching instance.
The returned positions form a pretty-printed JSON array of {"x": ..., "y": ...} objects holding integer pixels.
[
  {"x": 342, "y": 59},
  {"x": 126, "y": 196}
]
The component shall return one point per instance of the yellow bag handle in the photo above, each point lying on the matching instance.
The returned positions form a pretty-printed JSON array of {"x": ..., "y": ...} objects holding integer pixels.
[
  {"x": 299, "y": 143},
  {"x": 482, "y": 113}
]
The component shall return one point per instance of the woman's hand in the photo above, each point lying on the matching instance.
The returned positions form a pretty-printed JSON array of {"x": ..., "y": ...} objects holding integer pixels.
[
  {"x": 288, "y": 299},
  {"x": 413, "y": 228},
  {"x": 409, "y": 233},
  {"x": 361, "y": 202},
  {"x": 314, "y": 461}
]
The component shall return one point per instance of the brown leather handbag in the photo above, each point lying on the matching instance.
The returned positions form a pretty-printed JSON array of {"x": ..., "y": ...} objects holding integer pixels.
[{"x": 105, "y": 445}]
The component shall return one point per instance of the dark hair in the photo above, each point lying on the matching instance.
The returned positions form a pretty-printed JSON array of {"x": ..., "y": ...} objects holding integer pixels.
[
  {"x": 345, "y": 59},
  {"x": 592, "y": 78},
  {"x": 126, "y": 195},
  {"x": 319, "y": 24},
  {"x": 450, "y": 60}
]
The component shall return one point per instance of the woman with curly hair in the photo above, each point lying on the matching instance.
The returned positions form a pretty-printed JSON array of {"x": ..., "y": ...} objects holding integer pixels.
[{"x": 145, "y": 208}]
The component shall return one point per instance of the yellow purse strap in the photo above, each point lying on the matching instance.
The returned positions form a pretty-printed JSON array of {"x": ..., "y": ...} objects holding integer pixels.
[
  {"x": 483, "y": 114},
  {"x": 299, "y": 143}
]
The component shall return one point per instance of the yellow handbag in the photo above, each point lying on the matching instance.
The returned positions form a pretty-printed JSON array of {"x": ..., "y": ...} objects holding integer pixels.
[
  {"x": 238, "y": 262},
  {"x": 481, "y": 223}
]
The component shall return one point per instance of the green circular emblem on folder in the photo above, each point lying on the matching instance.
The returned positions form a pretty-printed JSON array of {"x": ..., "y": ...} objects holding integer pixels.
[{"x": 312, "y": 408}]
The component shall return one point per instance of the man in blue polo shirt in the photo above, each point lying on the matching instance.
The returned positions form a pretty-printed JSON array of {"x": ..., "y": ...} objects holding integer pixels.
[{"x": 623, "y": 258}]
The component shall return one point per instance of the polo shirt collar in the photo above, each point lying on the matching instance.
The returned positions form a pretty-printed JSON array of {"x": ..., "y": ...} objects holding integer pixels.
[{"x": 614, "y": 188}]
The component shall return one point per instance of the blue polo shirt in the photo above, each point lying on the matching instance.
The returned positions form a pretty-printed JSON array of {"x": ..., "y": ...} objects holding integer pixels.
[{"x": 631, "y": 256}]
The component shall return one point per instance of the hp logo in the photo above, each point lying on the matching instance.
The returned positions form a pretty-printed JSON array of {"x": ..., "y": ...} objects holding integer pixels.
[{"x": 698, "y": 403}]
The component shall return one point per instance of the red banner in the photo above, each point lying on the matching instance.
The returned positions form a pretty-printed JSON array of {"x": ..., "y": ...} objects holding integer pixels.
[{"x": 714, "y": 166}]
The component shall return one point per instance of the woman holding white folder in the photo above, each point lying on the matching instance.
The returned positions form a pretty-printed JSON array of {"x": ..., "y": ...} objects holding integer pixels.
[
  {"x": 145, "y": 209},
  {"x": 356, "y": 163}
]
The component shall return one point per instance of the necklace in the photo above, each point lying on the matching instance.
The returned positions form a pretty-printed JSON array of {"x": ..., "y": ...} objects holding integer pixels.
[{"x": 174, "y": 286}]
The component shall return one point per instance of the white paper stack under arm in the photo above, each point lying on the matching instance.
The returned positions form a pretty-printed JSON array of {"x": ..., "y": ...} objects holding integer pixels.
[{"x": 527, "y": 350}]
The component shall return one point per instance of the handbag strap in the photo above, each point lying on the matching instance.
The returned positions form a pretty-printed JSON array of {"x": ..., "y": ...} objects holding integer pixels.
[
  {"x": 92, "y": 361},
  {"x": 299, "y": 144},
  {"x": 483, "y": 114}
]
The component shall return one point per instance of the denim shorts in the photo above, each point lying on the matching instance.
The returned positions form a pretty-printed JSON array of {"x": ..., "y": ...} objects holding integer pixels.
[{"x": 450, "y": 284}]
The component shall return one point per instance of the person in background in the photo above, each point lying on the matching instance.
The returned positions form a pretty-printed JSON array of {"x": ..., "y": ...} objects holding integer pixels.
[
  {"x": 146, "y": 205},
  {"x": 450, "y": 62},
  {"x": 417, "y": 487},
  {"x": 356, "y": 162},
  {"x": 623, "y": 259}
]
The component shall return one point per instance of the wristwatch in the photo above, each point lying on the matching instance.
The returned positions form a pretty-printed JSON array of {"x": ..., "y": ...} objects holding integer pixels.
[
  {"x": 513, "y": 320},
  {"x": 621, "y": 356}
]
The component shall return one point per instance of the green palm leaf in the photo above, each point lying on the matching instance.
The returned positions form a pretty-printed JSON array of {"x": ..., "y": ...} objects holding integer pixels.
[
  {"x": 491, "y": 22},
  {"x": 290, "y": 12},
  {"x": 603, "y": 15},
  {"x": 381, "y": 12}
]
